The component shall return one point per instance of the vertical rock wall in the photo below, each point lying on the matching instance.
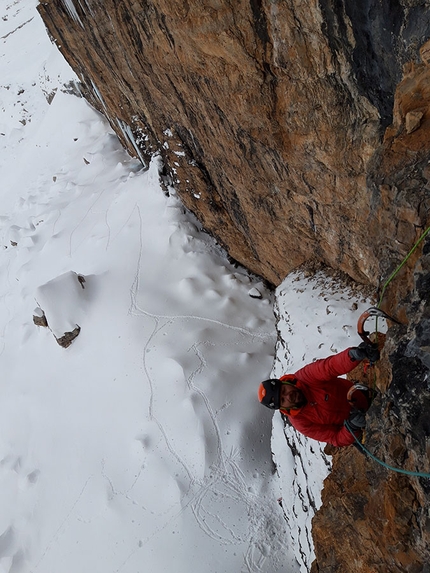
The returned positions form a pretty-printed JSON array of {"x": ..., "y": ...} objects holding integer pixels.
[
  {"x": 295, "y": 131},
  {"x": 266, "y": 112},
  {"x": 374, "y": 519}
]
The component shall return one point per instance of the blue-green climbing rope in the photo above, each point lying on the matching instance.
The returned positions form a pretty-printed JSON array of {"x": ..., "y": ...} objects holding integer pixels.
[
  {"x": 362, "y": 447},
  {"x": 398, "y": 470}
]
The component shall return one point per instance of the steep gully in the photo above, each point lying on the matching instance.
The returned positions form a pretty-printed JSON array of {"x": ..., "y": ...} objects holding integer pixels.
[{"x": 298, "y": 132}]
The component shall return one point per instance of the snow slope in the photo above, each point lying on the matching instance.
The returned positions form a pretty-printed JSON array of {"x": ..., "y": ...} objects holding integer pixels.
[{"x": 142, "y": 446}]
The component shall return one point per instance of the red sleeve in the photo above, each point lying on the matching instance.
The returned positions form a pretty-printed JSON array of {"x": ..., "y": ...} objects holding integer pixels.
[
  {"x": 327, "y": 368},
  {"x": 330, "y": 433}
]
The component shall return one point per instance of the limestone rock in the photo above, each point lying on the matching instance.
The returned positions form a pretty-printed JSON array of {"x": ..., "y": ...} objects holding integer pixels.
[
  {"x": 266, "y": 114},
  {"x": 413, "y": 120},
  {"x": 68, "y": 337},
  {"x": 291, "y": 130},
  {"x": 255, "y": 293},
  {"x": 39, "y": 318},
  {"x": 375, "y": 520},
  {"x": 425, "y": 53},
  {"x": 64, "y": 301}
]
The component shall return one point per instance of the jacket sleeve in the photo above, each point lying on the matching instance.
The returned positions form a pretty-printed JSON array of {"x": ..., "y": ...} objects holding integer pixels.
[
  {"x": 327, "y": 368},
  {"x": 331, "y": 433}
]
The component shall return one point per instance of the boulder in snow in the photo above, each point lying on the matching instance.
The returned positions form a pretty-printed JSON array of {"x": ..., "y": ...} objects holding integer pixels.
[
  {"x": 63, "y": 300},
  {"x": 39, "y": 317}
]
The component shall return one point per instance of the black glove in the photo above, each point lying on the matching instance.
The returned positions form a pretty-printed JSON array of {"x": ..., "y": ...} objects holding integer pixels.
[
  {"x": 365, "y": 350},
  {"x": 356, "y": 420}
]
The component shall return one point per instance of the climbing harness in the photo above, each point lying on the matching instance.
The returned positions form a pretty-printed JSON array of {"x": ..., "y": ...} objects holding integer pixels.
[{"x": 375, "y": 311}]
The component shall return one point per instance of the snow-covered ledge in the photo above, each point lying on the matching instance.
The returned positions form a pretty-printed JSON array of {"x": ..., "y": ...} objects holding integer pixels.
[{"x": 316, "y": 317}]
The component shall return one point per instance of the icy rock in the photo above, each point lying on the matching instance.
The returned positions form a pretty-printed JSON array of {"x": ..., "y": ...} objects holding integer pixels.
[
  {"x": 66, "y": 340},
  {"x": 39, "y": 317},
  {"x": 64, "y": 300},
  {"x": 255, "y": 293}
]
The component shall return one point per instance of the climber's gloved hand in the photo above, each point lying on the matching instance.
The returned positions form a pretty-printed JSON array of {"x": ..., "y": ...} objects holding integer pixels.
[
  {"x": 356, "y": 420},
  {"x": 364, "y": 350}
]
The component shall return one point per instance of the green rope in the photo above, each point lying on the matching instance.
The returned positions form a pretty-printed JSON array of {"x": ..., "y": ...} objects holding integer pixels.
[
  {"x": 394, "y": 273},
  {"x": 398, "y": 470},
  {"x": 363, "y": 448}
]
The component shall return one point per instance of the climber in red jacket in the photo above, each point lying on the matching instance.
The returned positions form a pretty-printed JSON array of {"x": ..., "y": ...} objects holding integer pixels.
[{"x": 316, "y": 400}]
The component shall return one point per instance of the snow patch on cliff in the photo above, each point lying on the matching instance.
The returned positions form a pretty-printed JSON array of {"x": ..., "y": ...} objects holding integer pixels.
[{"x": 316, "y": 317}]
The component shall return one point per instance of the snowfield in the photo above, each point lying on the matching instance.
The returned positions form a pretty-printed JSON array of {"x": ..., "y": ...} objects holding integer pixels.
[{"x": 142, "y": 446}]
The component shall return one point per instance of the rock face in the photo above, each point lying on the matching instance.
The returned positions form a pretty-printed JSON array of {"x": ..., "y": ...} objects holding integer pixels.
[
  {"x": 297, "y": 132},
  {"x": 373, "y": 519},
  {"x": 268, "y": 115}
]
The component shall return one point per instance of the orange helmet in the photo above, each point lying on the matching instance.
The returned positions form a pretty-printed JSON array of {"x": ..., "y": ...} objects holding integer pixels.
[{"x": 269, "y": 393}]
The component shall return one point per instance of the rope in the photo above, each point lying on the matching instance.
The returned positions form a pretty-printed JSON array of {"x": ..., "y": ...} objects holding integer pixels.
[
  {"x": 394, "y": 273},
  {"x": 398, "y": 470},
  {"x": 363, "y": 448}
]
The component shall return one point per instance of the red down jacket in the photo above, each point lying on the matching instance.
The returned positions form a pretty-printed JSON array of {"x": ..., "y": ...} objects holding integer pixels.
[{"x": 327, "y": 408}]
